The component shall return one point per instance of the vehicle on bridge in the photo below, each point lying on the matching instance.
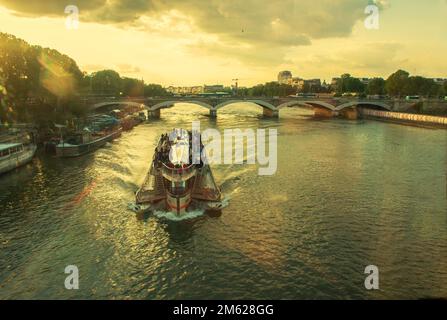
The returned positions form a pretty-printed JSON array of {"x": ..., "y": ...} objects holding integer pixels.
[
  {"x": 378, "y": 97},
  {"x": 178, "y": 181},
  {"x": 306, "y": 95}
]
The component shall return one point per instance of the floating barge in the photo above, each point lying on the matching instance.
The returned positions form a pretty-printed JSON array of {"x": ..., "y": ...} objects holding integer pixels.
[
  {"x": 85, "y": 142},
  {"x": 174, "y": 182},
  {"x": 100, "y": 130}
]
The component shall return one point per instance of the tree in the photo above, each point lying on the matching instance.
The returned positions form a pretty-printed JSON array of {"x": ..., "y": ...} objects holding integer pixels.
[
  {"x": 243, "y": 91},
  {"x": 437, "y": 91},
  {"x": 417, "y": 85},
  {"x": 155, "y": 90},
  {"x": 132, "y": 87},
  {"x": 310, "y": 87},
  {"x": 106, "y": 82},
  {"x": 14, "y": 84},
  {"x": 33, "y": 74},
  {"x": 396, "y": 83},
  {"x": 271, "y": 89},
  {"x": 376, "y": 86},
  {"x": 347, "y": 83}
]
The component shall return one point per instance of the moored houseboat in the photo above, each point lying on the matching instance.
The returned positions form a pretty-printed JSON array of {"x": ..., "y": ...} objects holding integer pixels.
[
  {"x": 14, "y": 155},
  {"x": 101, "y": 130},
  {"x": 85, "y": 142}
]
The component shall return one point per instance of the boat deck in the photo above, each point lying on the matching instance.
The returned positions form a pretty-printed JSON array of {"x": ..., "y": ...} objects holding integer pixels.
[{"x": 163, "y": 173}]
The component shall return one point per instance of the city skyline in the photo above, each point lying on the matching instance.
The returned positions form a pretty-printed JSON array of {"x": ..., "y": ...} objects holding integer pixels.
[{"x": 156, "y": 41}]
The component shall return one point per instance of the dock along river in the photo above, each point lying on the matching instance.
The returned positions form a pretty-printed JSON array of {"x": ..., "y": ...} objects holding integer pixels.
[{"x": 346, "y": 194}]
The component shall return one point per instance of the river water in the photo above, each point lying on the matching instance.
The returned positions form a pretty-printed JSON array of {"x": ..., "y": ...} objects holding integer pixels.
[{"x": 347, "y": 194}]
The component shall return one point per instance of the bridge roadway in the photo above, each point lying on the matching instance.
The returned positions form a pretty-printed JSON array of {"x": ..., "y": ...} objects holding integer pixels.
[{"x": 323, "y": 107}]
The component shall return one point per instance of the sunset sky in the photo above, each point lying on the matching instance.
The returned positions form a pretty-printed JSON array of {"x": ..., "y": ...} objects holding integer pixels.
[{"x": 193, "y": 42}]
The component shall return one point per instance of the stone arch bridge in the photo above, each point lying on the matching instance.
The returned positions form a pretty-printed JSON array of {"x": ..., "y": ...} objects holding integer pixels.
[{"x": 271, "y": 107}]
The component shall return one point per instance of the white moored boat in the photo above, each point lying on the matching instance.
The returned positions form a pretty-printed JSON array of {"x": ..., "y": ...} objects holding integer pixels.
[{"x": 14, "y": 155}]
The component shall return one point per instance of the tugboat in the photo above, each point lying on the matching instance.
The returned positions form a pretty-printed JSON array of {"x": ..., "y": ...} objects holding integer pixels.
[{"x": 179, "y": 180}]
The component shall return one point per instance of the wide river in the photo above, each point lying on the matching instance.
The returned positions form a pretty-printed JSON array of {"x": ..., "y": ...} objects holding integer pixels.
[{"x": 347, "y": 194}]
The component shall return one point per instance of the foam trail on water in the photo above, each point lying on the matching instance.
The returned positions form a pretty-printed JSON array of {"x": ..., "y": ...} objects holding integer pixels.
[
  {"x": 226, "y": 201},
  {"x": 173, "y": 216}
]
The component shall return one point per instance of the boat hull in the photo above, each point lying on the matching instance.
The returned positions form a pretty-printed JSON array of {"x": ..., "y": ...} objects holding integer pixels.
[
  {"x": 17, "y": 160},
  {"x": 68, "y": 151},
  {"x": 176, "y": 185},
  {"x": 178, "y": 204}
]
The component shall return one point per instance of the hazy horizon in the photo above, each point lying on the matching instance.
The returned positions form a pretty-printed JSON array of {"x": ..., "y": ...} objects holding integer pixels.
[{"x": 186, "y": 43}]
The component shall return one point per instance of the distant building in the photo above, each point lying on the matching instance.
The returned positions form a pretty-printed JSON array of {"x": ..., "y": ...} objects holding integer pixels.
[
  {"x": 302, "y": 84},
  {"x": 197, "y": 90},
  {"x": 171, "y": 89},
  {"x": 213, "y": 88},
  {"x": 185, "y": 90},
  {"x": 298, "y": 83},
  {"x": 285, "y": 77},
  {"x": 313, "y": 82}
]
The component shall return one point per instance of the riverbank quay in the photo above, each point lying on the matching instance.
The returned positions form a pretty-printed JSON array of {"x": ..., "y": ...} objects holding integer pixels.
[{"x": 405, "y": 118}]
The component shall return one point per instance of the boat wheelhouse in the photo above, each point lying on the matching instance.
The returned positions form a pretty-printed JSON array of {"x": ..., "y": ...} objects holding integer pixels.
[{"x": 177, "y": 182}]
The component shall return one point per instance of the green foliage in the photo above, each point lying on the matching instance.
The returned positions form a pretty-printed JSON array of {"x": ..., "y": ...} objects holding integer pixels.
[
  {"x": 43, "y": 85},
  {"x": 376, "y": 86},
  {"x": 401, "y": 83},
  {"x": 155, "y": 90},
  {"x": 270, "y": 89},
  {"x": 132, "y": 87},
  {"x": 106, "y": 82},
  {"x": 396, "y": 84},
  {"x": 310, "y": 88},
  {"x": 347, "y": 83},
  {"x": 418, "y": 86},
  {"x": 32, "y": 75}
]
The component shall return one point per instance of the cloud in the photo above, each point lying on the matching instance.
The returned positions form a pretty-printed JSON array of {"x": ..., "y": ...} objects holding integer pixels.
[
  {"x": 259, "y": 55},
  {"x": 361, "y": 60},
  {"x": 280, "y": 22},
  {"x": 257, "y": 31},
  {"x": 49, "y": 7},
  {"x": 128, "y": 69}
]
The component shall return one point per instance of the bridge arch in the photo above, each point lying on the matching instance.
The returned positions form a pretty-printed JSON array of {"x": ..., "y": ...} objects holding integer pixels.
[
  {"x": 363, "y": 103},
  {"x": 261, "y": 103},
  {"x": 169, "y": 104}
]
